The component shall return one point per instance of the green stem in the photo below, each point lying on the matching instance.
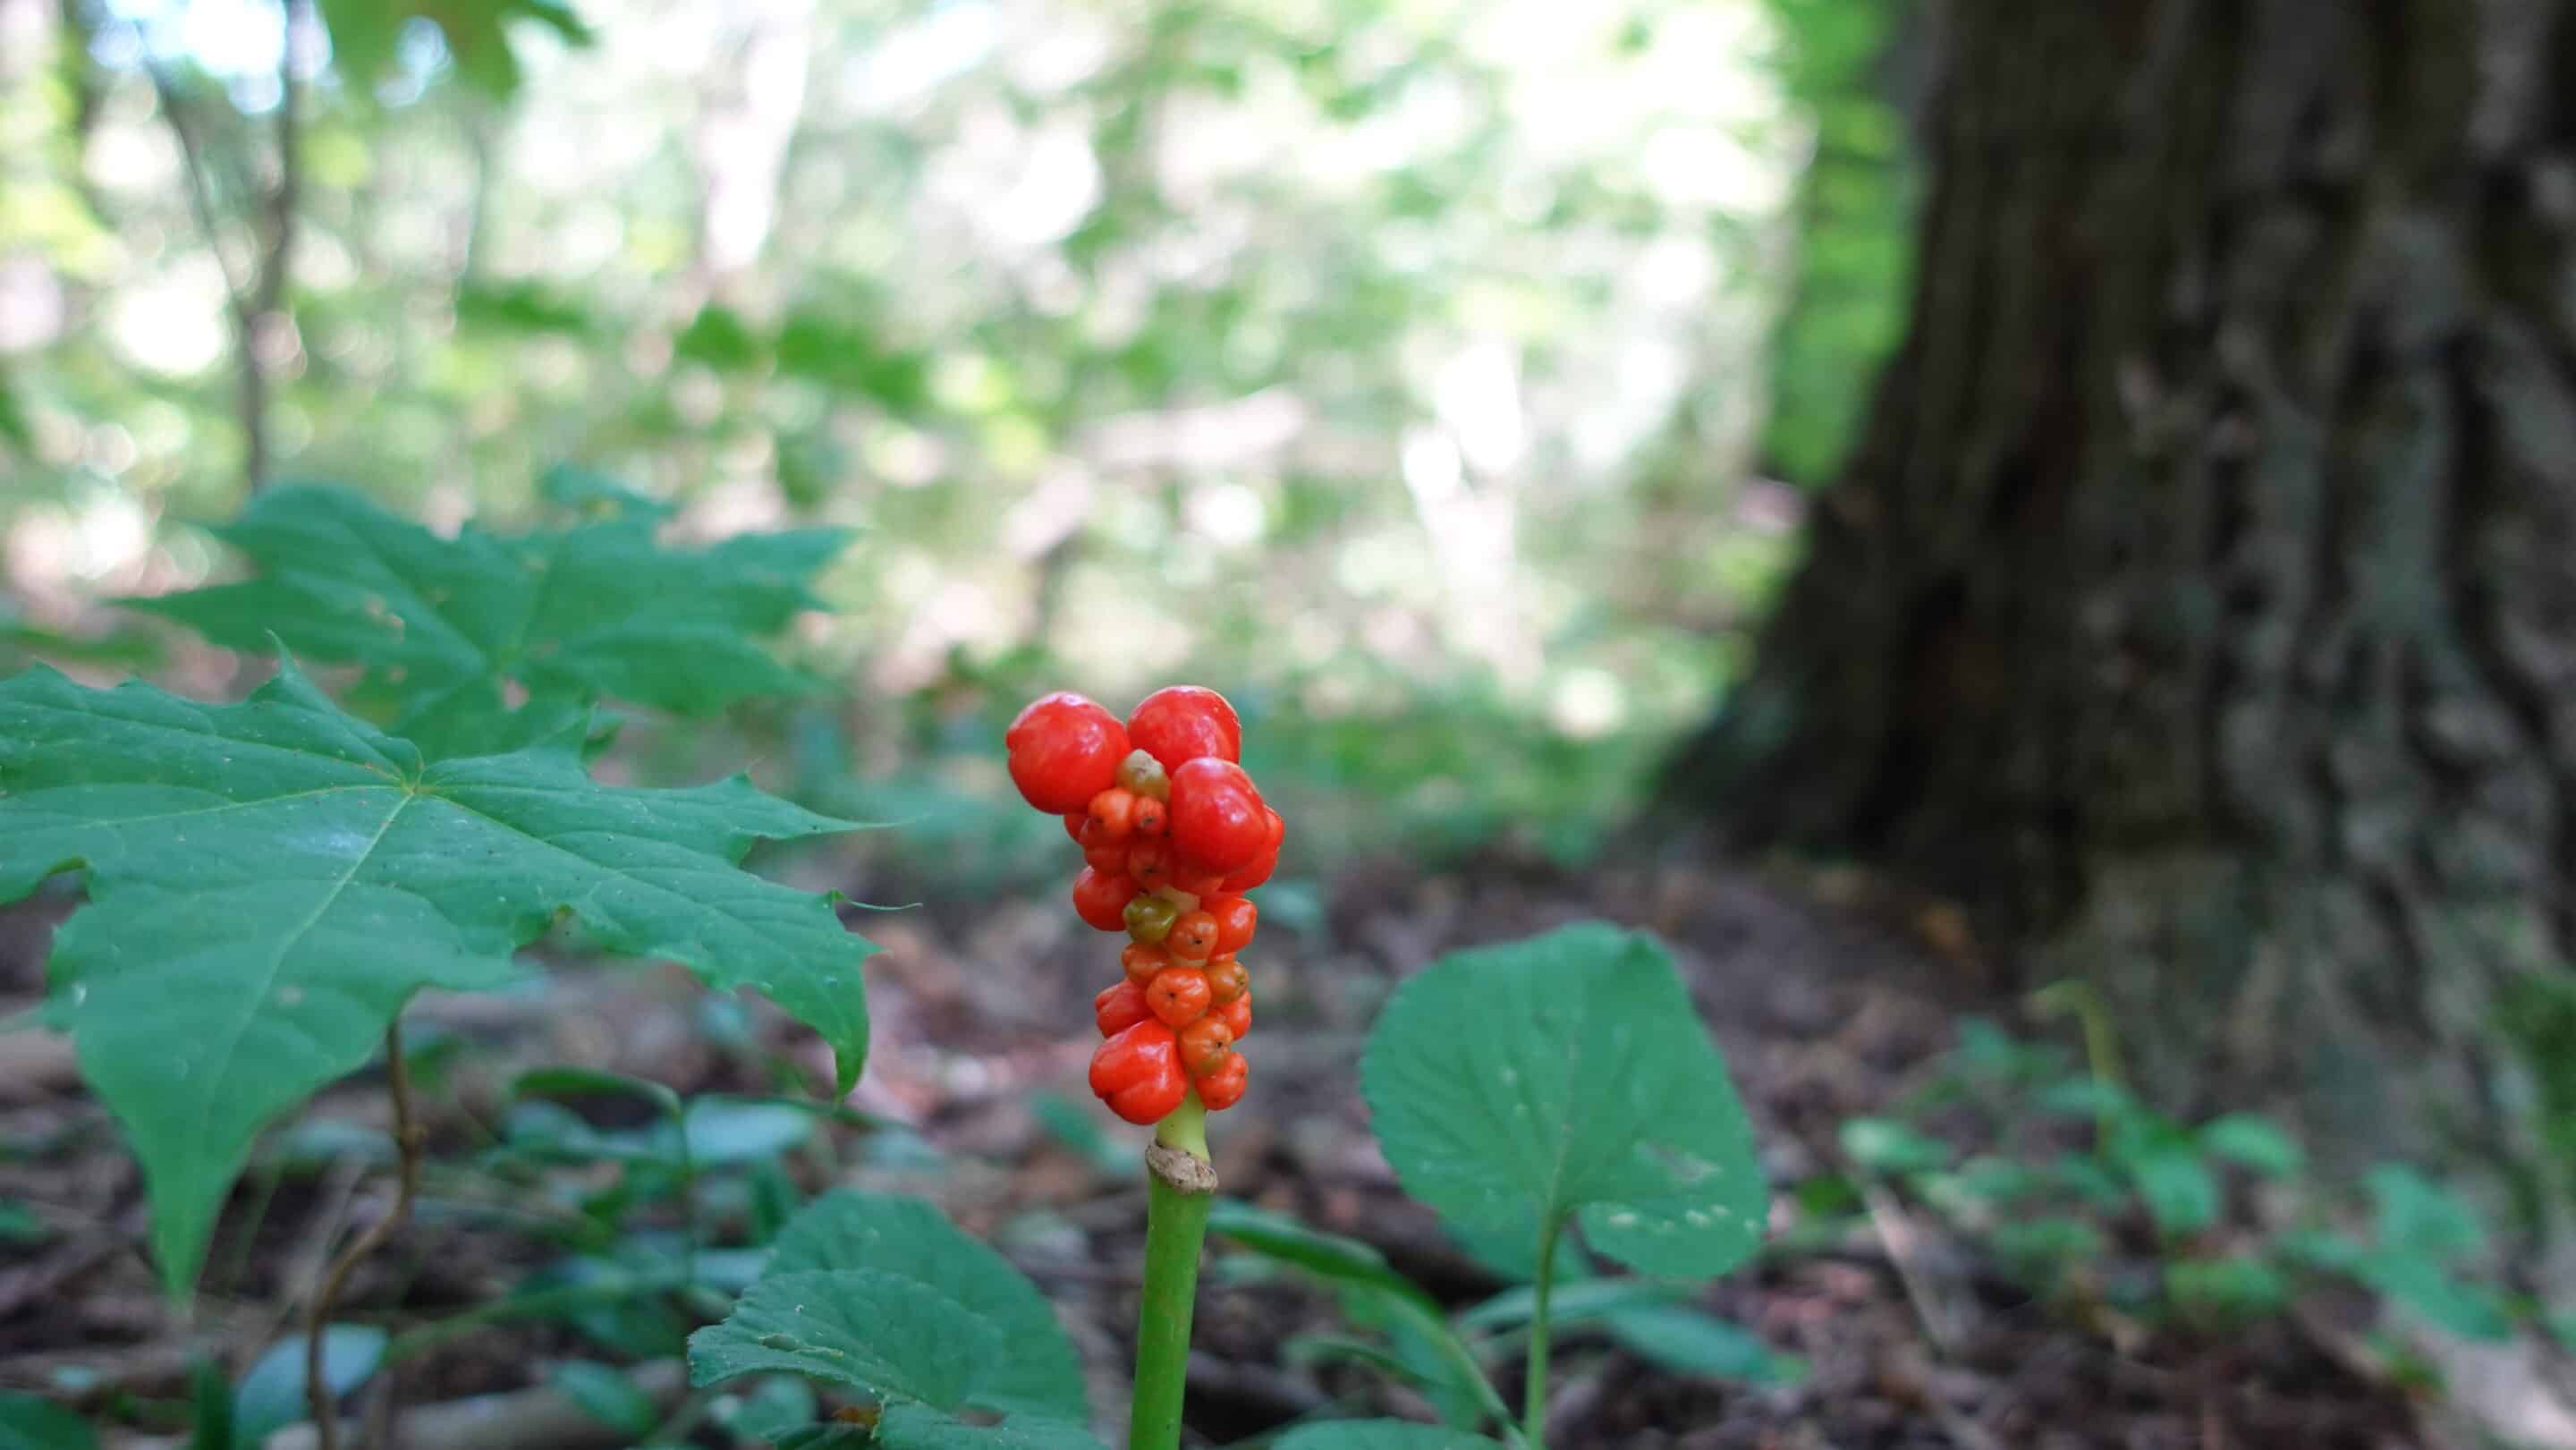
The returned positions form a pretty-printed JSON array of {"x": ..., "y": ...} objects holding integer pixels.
[
  {"x": 1534, "y": 1388},
  {"x": 1176, "y": 1218}
]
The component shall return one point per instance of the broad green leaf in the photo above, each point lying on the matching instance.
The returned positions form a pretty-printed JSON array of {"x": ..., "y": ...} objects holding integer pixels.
[
  {"x": 2039, "y": 1250},
  {"x": 2171, "y": 1174},
  {"x": 1887, "y": 1146},
  {"x": 2255, "y": 1141},
  {"x": 447, "y": 627},
  {"x": 1380, "y": 1435},
  {"x": 2415, "y": 1215},
  {"x": 774, "y": 1406},
  {"x": 28, "y": 1423},
  {"x": 269, "y": 882},
  {"x": 1331, "y": 1256},
  {"x": 272, "y": 1393},
  {"x": 918, "y": 1427},
  {"x": 1682, "y": 1340},
  {"x": 607, "y": 1396},
  {"x": 1564, "y": 1075},
  {"x": 889, "y": 1297}
]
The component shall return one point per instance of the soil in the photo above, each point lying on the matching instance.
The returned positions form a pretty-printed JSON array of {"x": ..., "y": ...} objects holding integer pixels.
[{"x": 1827, "y": 997}]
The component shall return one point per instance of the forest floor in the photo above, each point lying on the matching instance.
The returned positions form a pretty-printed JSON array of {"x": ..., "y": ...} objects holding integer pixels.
[{"x": 982, "y": 1010}]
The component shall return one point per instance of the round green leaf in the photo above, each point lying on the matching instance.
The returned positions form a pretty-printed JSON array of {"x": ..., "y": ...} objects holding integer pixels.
[
  {"x": 1568, "y": 1074},
  {"x": 272, "y": 1393}
]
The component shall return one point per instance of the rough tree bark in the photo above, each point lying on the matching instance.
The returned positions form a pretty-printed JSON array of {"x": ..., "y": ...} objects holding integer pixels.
[{"x": 2200, "y": 600}]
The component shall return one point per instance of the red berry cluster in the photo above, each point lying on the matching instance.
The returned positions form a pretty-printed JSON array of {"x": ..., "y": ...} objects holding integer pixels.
[{"x": 1172, "y": 833}]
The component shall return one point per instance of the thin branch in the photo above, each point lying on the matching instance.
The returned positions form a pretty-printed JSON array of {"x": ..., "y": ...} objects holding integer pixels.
[{"x": 407, "y": 1146}]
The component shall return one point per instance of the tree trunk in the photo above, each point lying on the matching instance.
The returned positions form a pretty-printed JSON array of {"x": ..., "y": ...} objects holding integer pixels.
[{"x": 2200, "y": 600}]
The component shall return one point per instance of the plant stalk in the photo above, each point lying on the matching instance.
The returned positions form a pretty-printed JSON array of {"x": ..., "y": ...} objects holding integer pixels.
[
  {"x": 1534, "y": 1387},
  {"x": 407, "y": 1145},
  {"x": 1183, "y": 1185}
]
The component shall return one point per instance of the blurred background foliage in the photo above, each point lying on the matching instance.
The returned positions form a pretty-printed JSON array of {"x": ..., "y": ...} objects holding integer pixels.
[{"x": 1439, "y": 378}]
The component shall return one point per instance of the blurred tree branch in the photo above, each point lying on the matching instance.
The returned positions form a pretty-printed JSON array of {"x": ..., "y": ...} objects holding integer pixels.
[{"x": 255, "y": 290}]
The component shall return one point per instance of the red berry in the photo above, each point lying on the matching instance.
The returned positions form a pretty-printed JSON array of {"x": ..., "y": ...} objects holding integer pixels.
[
  {"x": 1151, "y": 816},
  {"x": 1113, "y": 812},
  {"x": 1204, "y": 1046},
  {"x": 1110, "y": 860},
  {"x": 1064, "y": 750},
  {"x": 1178, "y": 995},
  {"x": 1141, "y": 962},
  {"x": 1217, "y": 815},
  {"x": 1138, "y": 1073},
  {"x": 1181, "y": 723},
  {"x": 1100, "y": 899},
  {"x": 1074, "y": 821},
  {"x": 1150, "y": 862},
  {"x": 1223, "y": 1088},
  {"x": 1227, "y": 980},
  {"x": 1120, "y": 1008},
  {"x": 1236, "y": 917},
  {"x": 1194, "y": 937},
  {"x": 1268, "y": 861},
  {"x": 1236, "y": 1015}
]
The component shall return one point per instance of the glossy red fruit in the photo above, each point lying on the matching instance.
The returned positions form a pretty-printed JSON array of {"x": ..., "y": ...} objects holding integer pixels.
[
  {"x": 1140, "y": 962},
  {"x": 1227, "y": 980},
  {"x": 1236, "y": 1015},
  {"x": 1223, "y": 1087},
  {"x": 1178, "y": 996},
  {"x": 1074, "y": 821},
  {"x": 1109, "y": 860},
  {"x": 1193, "y": 937},
  {"x": 1138, "y": 1073},
  {"x": 1151, "y": 816},
  {"x": 1064, "y": 750},
  {"x": 1195, "y": 877},
  {"x": 1217, "y": 815},
  {"x": 1204, "y": 1046},
  {"x": 1113, "y": 813},
  {"x": 1120, "y": 1008},
  {"x": 1252, "y": 875},
  {"x": 1236, "y": 917},
  {"x": 1181, "y": 723},
  {"x": 1100, "y": 898}
]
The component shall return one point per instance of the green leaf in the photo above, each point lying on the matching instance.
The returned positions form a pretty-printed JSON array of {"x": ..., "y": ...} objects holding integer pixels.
[
  {"x": 1380, "y": 1435},
  {"x": 2255, "y": 1141},
  {"x": 19, "y": 1224},
  {"x": 1331, "y": 1256},
  {"x": 2417, "y": 1216},
  {"x": 886, "y": 1296},
  {"x": 2471, "y": 1310},
  {"x": 2225, "y": 1291},
  {"x": 774, "y": 1406},
  {"x": 1562, "y": 1075},
  {"x": 1682, "y": 1340},
  {"x": 1570, "y": 1303},
  {"x": 607, "y": 1396},
  {"x": 724, "y": 1131},
  {"x": 272, "y": 1394},
  {"x": 1885, "y": 1145},
  {"x": 446, "y": 627},
  {"x": 28, "y": 1423},
  {"x": 2171, "y": 1176},
  {"x": 269, "y": 882}
]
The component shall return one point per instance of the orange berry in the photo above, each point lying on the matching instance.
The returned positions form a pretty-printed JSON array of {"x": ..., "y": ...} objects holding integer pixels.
[
  {"x": 1236, "y": 1015},
  {"x": 1178, "y": 995},
  {"x": 1150, "y": 863},
  {"x": 1150, "y": 816},
  {"x": 1223, "y": 1088},
  {"x": 1205, "y": 1045},
  {"x": 1227, "y": 980},
  {"x": 1114, "y": 812},
  {"x": 1236, "y": 917},
  {"x": 1142, "y": 962},
  {"x": 1193, "y": 937}
]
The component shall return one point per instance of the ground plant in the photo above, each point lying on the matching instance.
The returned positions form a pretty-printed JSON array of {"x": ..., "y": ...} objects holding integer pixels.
[{"x": 268, "y": 884}]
